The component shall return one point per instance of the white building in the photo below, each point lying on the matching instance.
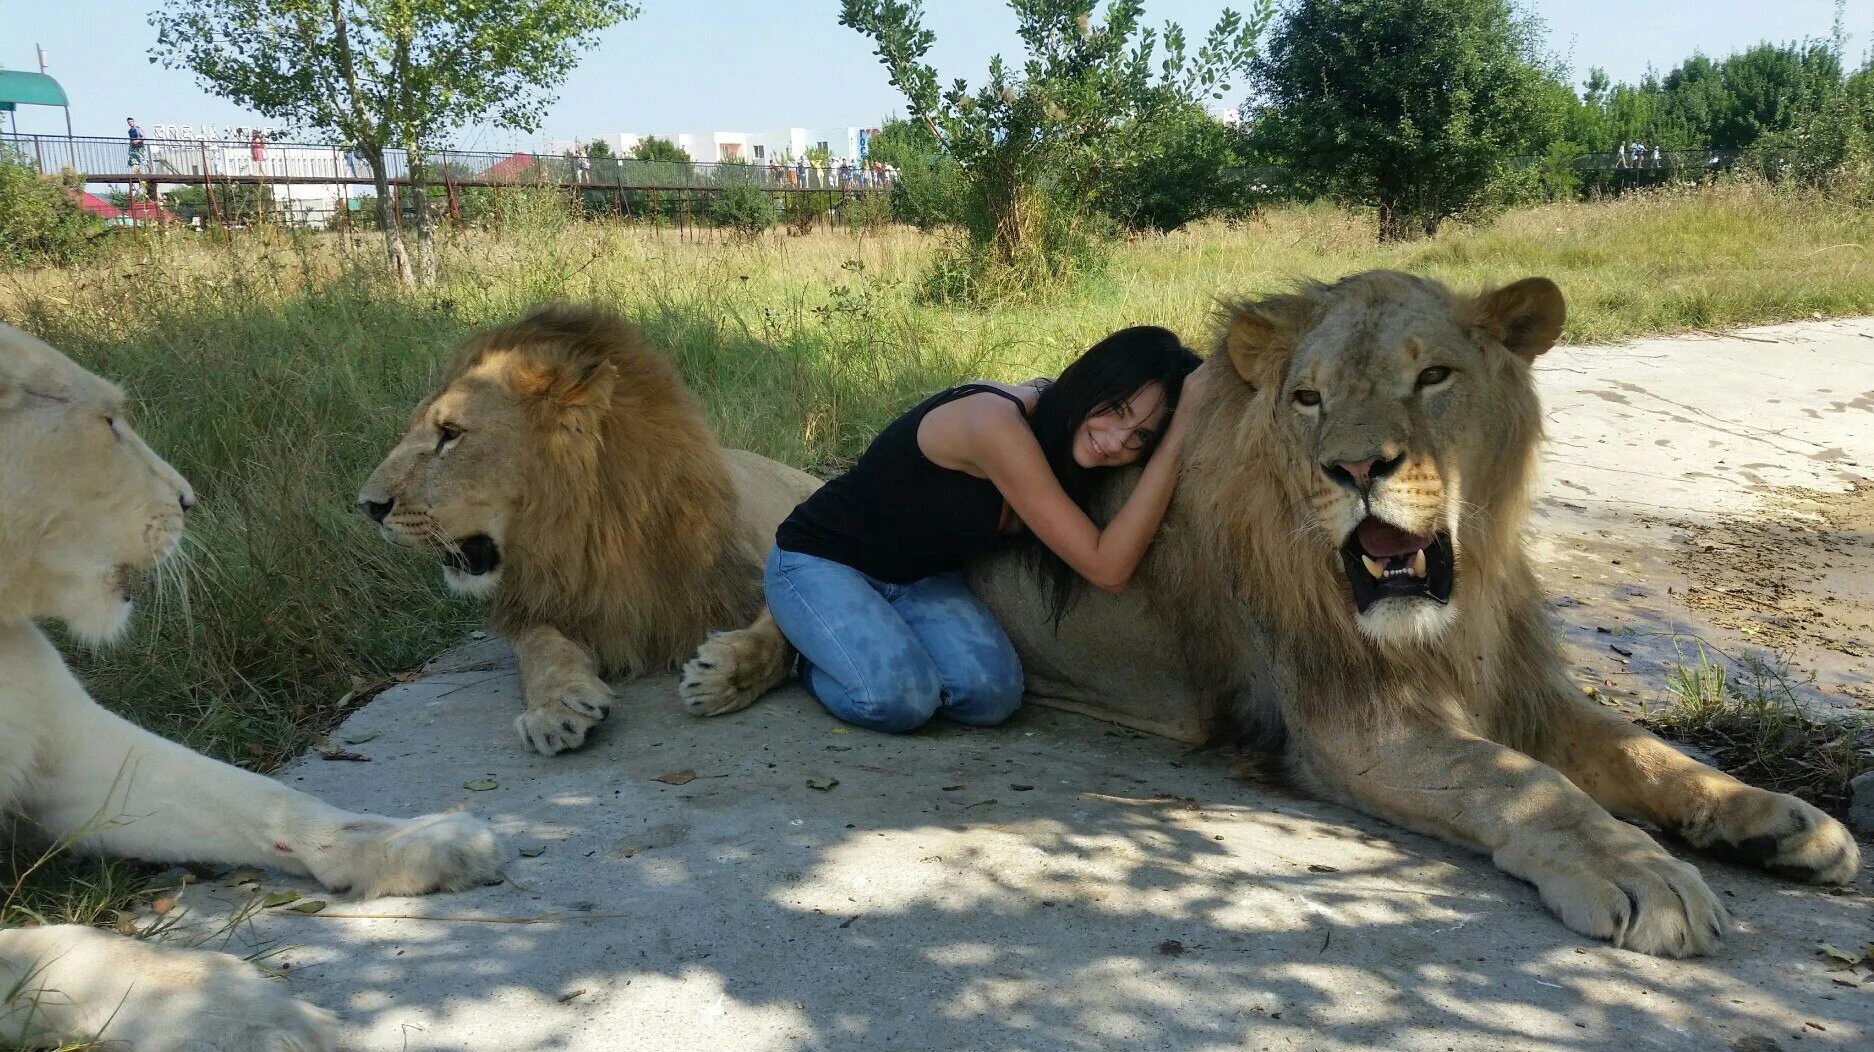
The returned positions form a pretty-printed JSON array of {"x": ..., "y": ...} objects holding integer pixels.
[
  {"x": 713, "y": 147},
  {"x": 190, "y": 150}
]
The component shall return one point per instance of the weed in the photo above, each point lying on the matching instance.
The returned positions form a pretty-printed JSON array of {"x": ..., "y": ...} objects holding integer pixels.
[{"x": 1747, "y": 715}]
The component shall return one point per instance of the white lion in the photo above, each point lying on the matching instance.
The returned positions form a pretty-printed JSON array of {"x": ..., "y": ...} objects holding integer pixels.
[{"x": 84, "y": 505}]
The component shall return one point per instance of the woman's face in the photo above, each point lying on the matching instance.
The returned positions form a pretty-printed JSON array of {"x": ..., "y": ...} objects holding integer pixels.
[{"x": 1118, "y": 434}]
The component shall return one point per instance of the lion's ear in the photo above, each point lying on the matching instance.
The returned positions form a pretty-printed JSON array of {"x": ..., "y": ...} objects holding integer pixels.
[
  {"x": 1526, "y": 317},
  {"x": 1261, "y": 337},
  {"x": 574, "y": 390}
]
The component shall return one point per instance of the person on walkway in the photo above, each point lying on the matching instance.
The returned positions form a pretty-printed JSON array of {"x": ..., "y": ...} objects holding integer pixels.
[
  {"x": 866, "y": 575},
  {"x": 138, "y": 144},
  {"x": 257, "y": 150},
  {"x": 1620, "y": 155},
  {"x": 582, "y": 165}
]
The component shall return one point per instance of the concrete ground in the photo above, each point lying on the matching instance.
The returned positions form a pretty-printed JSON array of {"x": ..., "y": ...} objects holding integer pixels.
[{"x": 773, "y": 880}]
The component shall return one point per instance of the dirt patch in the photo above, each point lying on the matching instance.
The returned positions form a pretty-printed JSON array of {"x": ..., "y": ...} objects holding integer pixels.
[{"x": 1798, "y": 577}]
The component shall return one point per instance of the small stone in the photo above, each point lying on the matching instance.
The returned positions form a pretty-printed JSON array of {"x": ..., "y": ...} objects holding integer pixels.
[{"x": 1861, "y": 806}]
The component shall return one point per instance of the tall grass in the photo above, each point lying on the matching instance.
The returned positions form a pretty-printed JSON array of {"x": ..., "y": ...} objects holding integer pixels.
[{"x": 276, "y": 369}]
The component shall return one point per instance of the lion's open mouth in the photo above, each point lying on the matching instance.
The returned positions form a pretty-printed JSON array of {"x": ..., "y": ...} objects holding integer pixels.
[
  {"x": 474, "y": 556},
  {"x": 1385, "y": 562}
]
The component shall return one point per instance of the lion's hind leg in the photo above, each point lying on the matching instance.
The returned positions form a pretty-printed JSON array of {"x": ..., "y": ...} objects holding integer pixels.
[
  {"x": 1631, "y": 772},
  {"x": 733, "y": 669}
]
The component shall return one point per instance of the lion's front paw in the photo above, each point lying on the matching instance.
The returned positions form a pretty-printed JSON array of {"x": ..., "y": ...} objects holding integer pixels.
[
  {"x": 93, "y": 986},
  {"x": 1624, "y": 888},
  {"x": 559, "y": 721},
  {"x": 388, "y": 856},
  {"x": 1780, "y": 833},
  {"x": 729, "y": 672}
]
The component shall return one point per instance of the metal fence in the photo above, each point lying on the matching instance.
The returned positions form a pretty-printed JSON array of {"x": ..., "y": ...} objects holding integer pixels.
[{"x": 114, "y": 160}]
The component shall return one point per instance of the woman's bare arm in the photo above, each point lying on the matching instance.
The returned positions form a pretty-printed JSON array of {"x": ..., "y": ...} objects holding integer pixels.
[{"x": 994, "y": 441}]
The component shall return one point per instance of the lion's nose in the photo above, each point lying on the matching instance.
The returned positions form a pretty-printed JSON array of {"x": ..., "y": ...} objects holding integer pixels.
[
  {"x": 187, "y": 500},
  {"x": 376, "y": 509},
  {"x": 1361, "y": 474}
]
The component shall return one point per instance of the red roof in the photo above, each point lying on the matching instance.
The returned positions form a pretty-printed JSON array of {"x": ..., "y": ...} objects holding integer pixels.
[
  {"x": 511, "y": 167},
  {"x": 98, "y": 206},
  {"x": 140, "y": 208}
]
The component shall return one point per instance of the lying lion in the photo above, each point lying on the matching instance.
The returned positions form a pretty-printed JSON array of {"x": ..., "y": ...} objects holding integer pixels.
[
  {"x": 1343, "y": 569},
  {"x": 563, "y": 470},
  {"x": 84, "y": 505}
]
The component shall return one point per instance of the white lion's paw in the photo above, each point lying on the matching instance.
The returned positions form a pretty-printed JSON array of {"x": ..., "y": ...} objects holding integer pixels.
[
  {"x": 722, "y": 677},
  {"x": 157, "y": 998},
  {"x": 373, "y": 856},
  {"x": 1629, "y": 891},
  {"x": 560, "y": 722}
]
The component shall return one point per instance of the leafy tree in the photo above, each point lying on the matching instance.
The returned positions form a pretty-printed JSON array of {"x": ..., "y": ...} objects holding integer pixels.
[
  {"x": 1180, "y": 168},
  {"x": 384, "y": 73},
  {"x": 657, "y": 148},
  {"x": 1413, "y": 106},
  {"x": 598, "y": 149},
  {"x": 1030, "y": 141},
  {"x": 930, "y": 189},
  {"x": 40, "y": 221}
]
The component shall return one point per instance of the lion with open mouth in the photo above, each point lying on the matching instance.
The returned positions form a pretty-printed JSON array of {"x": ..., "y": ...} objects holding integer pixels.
[{"x": 1344, "y": 575}]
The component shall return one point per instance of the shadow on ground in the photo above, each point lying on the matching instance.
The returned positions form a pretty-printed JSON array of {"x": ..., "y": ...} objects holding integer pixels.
[{"x": 1052, "y": 884}]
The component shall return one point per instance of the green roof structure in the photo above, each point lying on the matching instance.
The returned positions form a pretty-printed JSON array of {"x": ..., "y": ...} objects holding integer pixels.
[{"x": 20, "y": 88}]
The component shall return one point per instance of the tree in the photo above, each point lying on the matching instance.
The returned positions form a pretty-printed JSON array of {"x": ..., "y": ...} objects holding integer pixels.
[
  {"x": 384, "y": 73},
  {"x": 1413, "y": 106},
  {"x": 40, "y": 221},
  {"x": 656, "y": 148},
  {"x": 930, "y": 188},
  {"x": 1030, "y": 142},
  {"x": 1179, "y": 168}
]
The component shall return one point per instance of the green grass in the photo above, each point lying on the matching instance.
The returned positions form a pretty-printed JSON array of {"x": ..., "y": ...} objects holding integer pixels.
[
  {"x": 1748, "y": 717},
  {"x": 275, "y": 371}
]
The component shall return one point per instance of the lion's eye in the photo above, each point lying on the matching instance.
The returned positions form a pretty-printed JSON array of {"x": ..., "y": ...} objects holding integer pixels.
[
  {"x": 445, "y": 434},
  {"x": 1304, "y": 396},
  {"x": 1437, "y": 374}
]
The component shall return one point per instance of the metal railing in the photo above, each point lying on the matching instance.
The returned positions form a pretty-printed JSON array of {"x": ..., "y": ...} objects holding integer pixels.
[{"x": 103, "y": 159}]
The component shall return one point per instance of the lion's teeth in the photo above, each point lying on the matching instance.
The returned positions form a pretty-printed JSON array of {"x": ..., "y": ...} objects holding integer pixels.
[
  {"x": 1419, "y": 563},
  {"x": 1374, "y": 566}
]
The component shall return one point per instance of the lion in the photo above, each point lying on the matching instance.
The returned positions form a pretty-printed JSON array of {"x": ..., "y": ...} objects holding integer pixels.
[
  {"x": 86, "y": 506},
  {"x": 1343, "y": 570},
  {"x": 564, "y": 471}
]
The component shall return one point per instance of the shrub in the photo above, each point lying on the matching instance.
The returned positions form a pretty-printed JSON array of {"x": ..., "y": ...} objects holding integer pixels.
[
  {"x": 40, "y": 221},
  {"x": 744, "y": 209}
]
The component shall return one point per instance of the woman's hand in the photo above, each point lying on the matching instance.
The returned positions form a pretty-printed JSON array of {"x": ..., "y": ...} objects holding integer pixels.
[{"x": 1196, "y": 384}]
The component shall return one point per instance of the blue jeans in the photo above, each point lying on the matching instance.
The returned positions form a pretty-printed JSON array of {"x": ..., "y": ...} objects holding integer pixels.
[{"x": 890, "y": 656}]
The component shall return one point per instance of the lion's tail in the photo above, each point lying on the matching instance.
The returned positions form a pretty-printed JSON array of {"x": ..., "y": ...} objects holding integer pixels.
[{"x": 731, "y": 670}]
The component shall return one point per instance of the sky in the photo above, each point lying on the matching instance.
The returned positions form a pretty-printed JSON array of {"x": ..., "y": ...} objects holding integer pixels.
[{"x": 765, "y": 65}]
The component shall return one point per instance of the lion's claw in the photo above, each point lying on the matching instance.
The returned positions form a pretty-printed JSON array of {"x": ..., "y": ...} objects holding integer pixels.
[
  {"x": 1620, "y": 886},
  {"x": 561, "y": 724}
]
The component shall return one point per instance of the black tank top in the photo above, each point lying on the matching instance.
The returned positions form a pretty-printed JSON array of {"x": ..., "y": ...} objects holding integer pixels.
[{"x": 896, "y": 516}]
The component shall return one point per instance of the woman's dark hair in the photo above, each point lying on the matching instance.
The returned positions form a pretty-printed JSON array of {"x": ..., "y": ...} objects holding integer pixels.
[{"x": 1109, "y": 373}]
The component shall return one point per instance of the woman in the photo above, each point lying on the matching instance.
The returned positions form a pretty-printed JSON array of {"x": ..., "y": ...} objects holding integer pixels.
[{"x": 866, "y": 575}]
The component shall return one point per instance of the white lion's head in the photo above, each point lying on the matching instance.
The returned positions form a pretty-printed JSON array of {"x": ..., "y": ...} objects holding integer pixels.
[{"x": 85, "y": 505}]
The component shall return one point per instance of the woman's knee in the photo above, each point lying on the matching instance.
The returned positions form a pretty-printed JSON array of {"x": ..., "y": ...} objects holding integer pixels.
[
  {"x": 892, "y": 704},
  {"x": 986, "y": 699}
]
